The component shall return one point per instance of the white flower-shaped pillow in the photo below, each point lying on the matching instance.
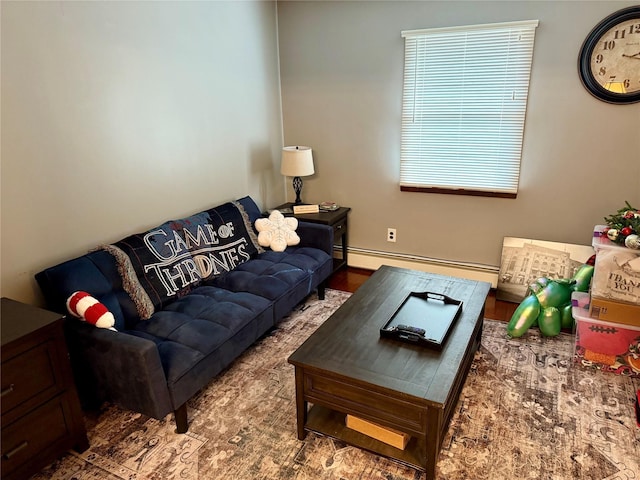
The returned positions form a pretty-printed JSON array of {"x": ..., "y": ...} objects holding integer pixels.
[{"x": 277, "y": 231}]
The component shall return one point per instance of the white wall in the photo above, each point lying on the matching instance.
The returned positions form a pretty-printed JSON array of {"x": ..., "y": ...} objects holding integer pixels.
[
  {"x": 341, "y": 76},
  {"x": 117, "y": 116}
]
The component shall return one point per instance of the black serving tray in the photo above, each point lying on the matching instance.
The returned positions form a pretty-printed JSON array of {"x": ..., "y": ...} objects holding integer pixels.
[{"x": 423, "y": 318}]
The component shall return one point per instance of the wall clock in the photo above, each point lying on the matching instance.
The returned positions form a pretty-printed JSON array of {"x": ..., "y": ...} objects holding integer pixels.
[{"x": 609, "y": 60}]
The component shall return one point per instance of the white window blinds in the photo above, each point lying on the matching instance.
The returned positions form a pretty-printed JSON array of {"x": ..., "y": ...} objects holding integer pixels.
[{"x": 463, "y": 109}]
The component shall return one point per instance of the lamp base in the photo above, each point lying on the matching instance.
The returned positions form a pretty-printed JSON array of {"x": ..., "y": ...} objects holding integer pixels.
[{"x": 297, "y": 187}]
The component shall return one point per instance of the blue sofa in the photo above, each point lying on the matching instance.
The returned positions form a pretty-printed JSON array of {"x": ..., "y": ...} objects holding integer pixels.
[{"x": 188, "y": 297}]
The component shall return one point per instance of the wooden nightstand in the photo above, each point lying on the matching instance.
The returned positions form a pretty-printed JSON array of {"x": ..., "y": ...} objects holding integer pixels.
[
  {"x": 41, "y": 415},
  {"x": 336, "y": 219}
]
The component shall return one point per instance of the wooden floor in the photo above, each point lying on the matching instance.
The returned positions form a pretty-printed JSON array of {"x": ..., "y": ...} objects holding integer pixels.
[{"x": 349, "y": 279}]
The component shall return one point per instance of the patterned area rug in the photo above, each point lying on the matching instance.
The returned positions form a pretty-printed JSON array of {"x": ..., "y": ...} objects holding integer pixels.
[{"x": 526, "y": 411}]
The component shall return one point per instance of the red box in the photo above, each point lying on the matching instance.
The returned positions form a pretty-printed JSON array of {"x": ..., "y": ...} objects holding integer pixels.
[{"x": 611, "y": 347}]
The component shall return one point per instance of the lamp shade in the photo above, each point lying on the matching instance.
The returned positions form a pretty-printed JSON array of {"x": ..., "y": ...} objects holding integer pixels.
[{"x": 297, "y": 161}]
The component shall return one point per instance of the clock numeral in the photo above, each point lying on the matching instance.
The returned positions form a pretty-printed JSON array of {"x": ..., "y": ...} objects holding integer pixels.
[
  {"x": 620, "y": 34},
  {"x": 599, "y": 58},
  {"x": 602, "y": 71},
  {"x": 608, "y": 45},
  {"x": 612, "y": 79}
]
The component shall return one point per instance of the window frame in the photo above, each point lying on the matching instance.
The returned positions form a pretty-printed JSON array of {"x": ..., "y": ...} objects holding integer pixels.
[{"x": 417, "y": 100}]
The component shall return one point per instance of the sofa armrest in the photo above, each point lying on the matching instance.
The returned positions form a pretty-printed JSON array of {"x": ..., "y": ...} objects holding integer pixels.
[
  {"x": 316, "y": 235},
  {"x": 118, "y": 367}
]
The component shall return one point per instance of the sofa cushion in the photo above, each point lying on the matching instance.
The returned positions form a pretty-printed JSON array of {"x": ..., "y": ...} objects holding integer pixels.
[
  {"x": 282, "y": 277},
  {"x": 195, "y": 326},
  {"x": 307, "y": 259},
  {"x": 262, "y": 277}
]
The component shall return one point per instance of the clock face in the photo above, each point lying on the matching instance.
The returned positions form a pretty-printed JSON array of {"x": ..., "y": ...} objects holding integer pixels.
[
  {"x": 610, "y": 58},
  {"x": 615, "y": 61}
]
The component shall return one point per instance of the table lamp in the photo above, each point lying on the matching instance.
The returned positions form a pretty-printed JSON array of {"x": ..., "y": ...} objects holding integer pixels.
[{"x": 297, "y": 162}]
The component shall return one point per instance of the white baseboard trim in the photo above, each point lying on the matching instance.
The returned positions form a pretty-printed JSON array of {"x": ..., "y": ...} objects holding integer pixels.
[{"x": 373, "y": 259}]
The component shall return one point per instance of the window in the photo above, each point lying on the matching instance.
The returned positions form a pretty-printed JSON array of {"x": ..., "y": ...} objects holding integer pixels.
[{"x": 463, "y": 108}]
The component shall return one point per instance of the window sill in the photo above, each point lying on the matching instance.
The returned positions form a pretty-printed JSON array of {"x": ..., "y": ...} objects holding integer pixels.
[{"x": 460, "y": 191}]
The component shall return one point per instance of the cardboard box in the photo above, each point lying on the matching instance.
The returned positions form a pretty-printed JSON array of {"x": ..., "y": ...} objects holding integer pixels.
[
  {"x": 616, "y": 276},
  {"x": 616, "y": 312},
  {"x": 607, "y": 346},
  {"x": 387, "y": 435}
]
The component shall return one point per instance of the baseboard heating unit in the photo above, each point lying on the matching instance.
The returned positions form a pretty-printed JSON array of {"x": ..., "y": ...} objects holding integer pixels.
[{"x": 373, "y": 259}]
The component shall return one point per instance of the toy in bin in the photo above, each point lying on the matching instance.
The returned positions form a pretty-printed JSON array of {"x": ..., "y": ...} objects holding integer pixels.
[{"x": 611, "y": 347}]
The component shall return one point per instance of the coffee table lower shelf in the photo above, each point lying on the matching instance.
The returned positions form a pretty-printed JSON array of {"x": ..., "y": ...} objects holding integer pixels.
[{"x": 331, "y": 423}]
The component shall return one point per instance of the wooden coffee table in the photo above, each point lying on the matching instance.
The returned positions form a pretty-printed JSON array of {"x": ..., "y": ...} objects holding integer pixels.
[{"x": 345, "y": 367}]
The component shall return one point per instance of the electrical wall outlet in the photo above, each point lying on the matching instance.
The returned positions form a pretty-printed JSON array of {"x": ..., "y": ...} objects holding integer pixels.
[{"x": 391, "y": 235}]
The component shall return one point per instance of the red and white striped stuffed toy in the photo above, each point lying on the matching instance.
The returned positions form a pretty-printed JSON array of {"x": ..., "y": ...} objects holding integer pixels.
[{"x": 84, "y": 306}]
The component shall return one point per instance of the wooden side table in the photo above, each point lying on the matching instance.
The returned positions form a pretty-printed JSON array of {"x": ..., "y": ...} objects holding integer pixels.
[
  {"x": 41, "y": 415},
  {"x": 336, "y": 219}
]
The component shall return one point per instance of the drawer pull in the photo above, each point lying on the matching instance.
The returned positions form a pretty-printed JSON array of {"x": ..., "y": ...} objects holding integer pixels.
[
  {"x": 7, "y": 390},
  {"x": 339, "y": 227},
  {"x": 22, "y": 446}
]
